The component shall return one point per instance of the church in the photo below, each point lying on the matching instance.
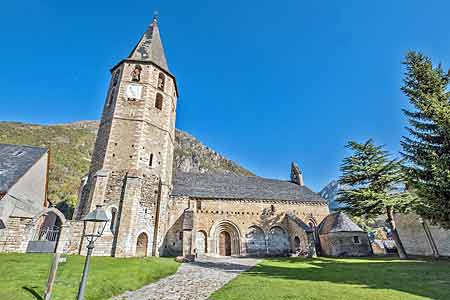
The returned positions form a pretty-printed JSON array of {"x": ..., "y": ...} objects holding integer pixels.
[{"x": 155, "y": 212}]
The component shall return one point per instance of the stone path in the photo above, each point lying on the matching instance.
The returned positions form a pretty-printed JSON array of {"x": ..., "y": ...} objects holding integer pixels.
[{"x": 193, "y": 281}]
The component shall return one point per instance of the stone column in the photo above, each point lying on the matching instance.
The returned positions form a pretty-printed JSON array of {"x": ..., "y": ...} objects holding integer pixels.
[
  {"x": 188, "y": 226},
  {"x": 311, "y": 245},
  {"x": 64, "y": 238}
]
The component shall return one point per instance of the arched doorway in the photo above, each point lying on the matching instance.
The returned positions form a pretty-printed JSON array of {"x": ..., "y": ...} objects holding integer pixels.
[
  {"x": 297, "y": 244},
  {"x": 278, "y": 241},
  {"x": 225, "y": 239},
  {"x": 45, "y": 231},
  {"x": 200, "y": 242},
  {"x": 224, "y": 244},
  {"x": 141, "y": 245},
  {"x": 256, "y": 241}
]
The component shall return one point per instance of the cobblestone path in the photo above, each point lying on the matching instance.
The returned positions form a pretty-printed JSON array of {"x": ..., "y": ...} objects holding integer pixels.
[{"x": 193, "y": 281}]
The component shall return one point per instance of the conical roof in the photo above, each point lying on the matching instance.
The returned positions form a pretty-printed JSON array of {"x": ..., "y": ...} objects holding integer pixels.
[
  {"x": 150, "y": 48},
  {"x": 338, "y": 222}
]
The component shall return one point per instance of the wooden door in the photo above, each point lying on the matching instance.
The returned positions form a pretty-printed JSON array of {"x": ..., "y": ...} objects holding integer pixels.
[
  {"x": 141, "y": 246},
  {"x": 224, "y": 244}
]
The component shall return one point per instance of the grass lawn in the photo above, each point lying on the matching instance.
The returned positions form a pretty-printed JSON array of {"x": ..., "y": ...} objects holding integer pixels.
[
  {"x": 24, "y": 276},
  {"x": 341, "y": 279}
]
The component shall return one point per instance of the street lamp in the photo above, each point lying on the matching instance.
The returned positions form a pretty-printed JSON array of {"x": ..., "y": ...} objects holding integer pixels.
[{"x": 96, "y": 220}]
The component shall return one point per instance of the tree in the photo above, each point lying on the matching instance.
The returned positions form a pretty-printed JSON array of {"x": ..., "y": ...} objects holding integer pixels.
[
  {"x": 427, "y": 148},
  {"x": 374, "y": 183}
]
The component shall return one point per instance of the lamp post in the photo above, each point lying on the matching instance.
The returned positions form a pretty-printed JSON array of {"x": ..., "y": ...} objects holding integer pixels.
[{"x": 97, "y": 220}]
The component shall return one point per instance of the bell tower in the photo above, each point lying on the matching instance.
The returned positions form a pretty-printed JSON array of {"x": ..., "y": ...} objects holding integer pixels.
[{"x": 131, "y": 167}]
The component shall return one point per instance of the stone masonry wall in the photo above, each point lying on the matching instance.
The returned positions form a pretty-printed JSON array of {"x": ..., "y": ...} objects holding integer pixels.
[
  {"x": 414, "y": 238},
  {"x": 244, "y": 215},
  {"x": 16, "y": 235},
  {"x": 342, "y": 244}
]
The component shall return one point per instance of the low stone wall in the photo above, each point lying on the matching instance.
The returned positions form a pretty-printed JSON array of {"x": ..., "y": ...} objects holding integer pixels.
[
  {"x": 15, "y": 237},
  {"x": 414, "y": 238}
]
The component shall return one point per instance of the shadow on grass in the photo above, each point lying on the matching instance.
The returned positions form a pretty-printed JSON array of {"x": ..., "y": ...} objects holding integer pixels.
[
  {"x": 424, "y": 277},
  {"x": 33, "y": 292}
]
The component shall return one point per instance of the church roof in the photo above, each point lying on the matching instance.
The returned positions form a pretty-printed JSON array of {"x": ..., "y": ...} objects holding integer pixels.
[
  {"x": 338, "y": 222},
  {"x": 15, "y": 161},
  {"x": 226, "y": 186},
  {"x": 150, "y": 48}
]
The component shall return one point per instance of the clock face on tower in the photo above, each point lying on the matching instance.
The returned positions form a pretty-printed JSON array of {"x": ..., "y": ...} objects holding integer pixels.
[{"x": 134, "y": 91}]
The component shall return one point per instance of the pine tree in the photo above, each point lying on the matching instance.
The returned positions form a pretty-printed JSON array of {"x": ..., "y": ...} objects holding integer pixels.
[
  {"x": 427, "y": 147},
  {"x": 374, "y": 184}
]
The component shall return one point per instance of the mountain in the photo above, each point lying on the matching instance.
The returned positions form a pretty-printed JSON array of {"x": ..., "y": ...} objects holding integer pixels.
[
  {"x": 71, "y": 148},
  {"x": 330, "y": 193}
]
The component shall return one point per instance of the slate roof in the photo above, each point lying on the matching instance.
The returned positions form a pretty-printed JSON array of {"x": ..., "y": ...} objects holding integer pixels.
[
  {"x": 15, "y": 161},
  {"x": 338, "y": 222},
  {"x": 150, "y": 48},
  {"x": 224, "y": 186}
]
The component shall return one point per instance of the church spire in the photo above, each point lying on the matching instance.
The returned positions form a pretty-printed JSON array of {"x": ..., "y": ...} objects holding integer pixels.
[{"x": 150, "y": 48}]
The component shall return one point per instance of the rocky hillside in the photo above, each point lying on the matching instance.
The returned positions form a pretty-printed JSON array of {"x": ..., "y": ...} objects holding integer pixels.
[
  {"x": 71, "y": 148},
  {"x": 330, "y": 193}
]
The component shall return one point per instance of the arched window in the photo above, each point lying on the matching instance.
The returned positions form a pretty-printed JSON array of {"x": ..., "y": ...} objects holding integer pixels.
[
  {"x": 111, "y": 96},
  {"x": 150, "y": 160},
  {"x": 272, "y": 208},
  {"x": 116, "y": 77},
  {"x": 161, "y": 81},
  {"x": 159, "y": 101},
  {"x": 112, "y": 224},
  {"x": 136, "y": 74}
]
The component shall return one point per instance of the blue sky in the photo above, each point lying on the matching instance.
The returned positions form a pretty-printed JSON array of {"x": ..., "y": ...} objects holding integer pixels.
[{"x": 262, "y": 82}]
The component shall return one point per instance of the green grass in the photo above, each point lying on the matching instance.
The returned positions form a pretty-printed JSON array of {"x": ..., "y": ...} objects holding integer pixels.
[
  {"x": 341, "y": 279},
  {"x": 24, "y": 276}
]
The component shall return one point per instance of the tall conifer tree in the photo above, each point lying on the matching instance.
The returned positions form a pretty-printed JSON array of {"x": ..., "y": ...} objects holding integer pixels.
[
  {"x": 427, "y": 147},
  {"x": 374, "y": 185}
]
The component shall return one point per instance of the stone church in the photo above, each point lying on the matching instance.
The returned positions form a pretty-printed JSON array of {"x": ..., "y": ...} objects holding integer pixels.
[{"x": 155, "y": 212}]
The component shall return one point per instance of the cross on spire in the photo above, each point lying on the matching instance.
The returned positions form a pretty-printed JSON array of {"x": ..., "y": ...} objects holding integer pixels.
[{"x": 155, "y": 16}]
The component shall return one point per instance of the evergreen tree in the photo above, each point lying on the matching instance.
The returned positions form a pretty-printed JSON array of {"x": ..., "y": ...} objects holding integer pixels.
[
  {"x": 427, "y": 148},
  {"x": 374, "y": 184}
]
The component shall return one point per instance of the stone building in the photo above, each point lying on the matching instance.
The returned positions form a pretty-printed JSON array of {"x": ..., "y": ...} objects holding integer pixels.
[
  {"x": 420, "y": 237},
  {"x": 339, "y": 236},
  {"x": 156, "y": 212},
  {"x": 23, "y": 196}
]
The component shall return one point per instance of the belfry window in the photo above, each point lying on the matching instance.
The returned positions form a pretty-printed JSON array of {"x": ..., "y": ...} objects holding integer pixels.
[
  {"x": 159, "y": 101},
  {"x": 161, "y": 81},
  {"x": 111, "y": 96},
  {"x": 116, "y": 78}
]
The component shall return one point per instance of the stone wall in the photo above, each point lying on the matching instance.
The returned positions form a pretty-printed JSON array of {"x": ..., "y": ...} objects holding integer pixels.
[
  {"x": 343, "y": 244},
  {"x": 16, "y": 235},
  {"x": 414, "y": 237},
  {"x": 261, "y": 227}
]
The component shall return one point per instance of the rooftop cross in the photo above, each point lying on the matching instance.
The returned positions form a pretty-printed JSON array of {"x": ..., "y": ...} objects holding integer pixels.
[{"x": 155, "y": 16}]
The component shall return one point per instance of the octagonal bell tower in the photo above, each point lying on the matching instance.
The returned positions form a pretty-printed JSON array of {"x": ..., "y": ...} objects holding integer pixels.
[{"x": 131, "y": 167}]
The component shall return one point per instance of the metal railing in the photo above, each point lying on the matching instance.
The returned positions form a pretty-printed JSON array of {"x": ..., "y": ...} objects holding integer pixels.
[{"x": 47, "y": 234}]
